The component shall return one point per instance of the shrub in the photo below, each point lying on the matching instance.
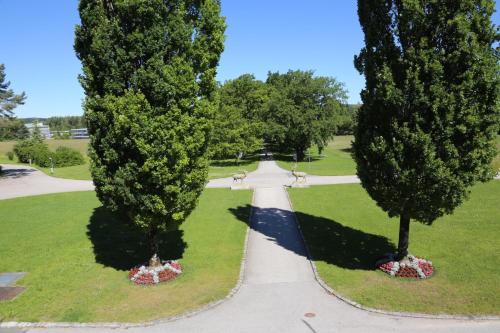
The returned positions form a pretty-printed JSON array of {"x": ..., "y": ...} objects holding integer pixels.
[
  {"x": 65, "y": 156},
  {"x": 35, "y": 150},
  {"x": 10, "y": 155}
]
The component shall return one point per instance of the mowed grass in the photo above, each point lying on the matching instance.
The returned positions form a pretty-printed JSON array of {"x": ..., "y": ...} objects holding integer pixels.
[
  {"x": 229, "y": 167},
  {"x": 336, "y": 159},
  {"x": 81, "y": 172},
  {"x": 218, "y": 168},
  {"x": 346, "y": 233},
  {"x": 77, "y": 256}
]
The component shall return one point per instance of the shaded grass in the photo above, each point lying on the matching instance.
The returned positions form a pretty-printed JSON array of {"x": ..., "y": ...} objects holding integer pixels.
[
  {"x": 346, "y": 232},
  {"x": 336, "y": 159},
  {"x": 228, "y": 167},
  {"x": 77, "y": 259}
]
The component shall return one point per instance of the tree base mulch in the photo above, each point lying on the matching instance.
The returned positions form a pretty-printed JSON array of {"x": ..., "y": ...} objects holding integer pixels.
[
  {"x": 145, "y": 275},
  {"x": 9, "y": 293},
  {"x": 409, "y": 267}
]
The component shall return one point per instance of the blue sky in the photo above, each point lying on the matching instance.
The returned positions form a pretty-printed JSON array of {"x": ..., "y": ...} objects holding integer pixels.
[{"x": 36, "y": 46}]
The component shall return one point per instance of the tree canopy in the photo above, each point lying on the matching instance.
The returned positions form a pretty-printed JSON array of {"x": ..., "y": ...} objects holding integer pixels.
[
  {"x": 237, "y": 126},
  {"x": 429, "y": 117},
  {"x": 149, "y": 78},
  {"x": 303, "y": 110}
]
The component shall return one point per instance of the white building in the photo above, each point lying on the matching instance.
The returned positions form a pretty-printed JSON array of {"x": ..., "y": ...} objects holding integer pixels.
[
  {"x": 79, "y": 133},
  {"x": 44, "y": 129}
]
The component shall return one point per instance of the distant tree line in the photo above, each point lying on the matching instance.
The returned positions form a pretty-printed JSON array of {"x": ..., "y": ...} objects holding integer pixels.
[
  {"x": 290, "y": 112},
  {"x": 14, "y": 128},
  {"x": 62, "y": 123}
]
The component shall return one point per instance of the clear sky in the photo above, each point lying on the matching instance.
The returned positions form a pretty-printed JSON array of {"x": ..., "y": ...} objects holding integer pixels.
[{"x": 36, "y": 46}]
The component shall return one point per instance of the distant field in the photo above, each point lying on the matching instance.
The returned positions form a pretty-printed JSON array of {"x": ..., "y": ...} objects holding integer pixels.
[
  {"x": 336, "y": 159},
  {"x": 218, "y": 168}
]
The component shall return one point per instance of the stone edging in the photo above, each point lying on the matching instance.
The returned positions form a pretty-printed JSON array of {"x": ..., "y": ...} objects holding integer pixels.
[
  {"x": 115, "y": 325},
  {"x": 348, "y": 301}
]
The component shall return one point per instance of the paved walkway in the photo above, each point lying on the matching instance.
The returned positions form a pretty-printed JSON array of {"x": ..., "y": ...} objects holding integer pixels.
[
  {"x": 269, "y": 174},
  {"x": 22, "y": 180},
  {"x": 279, "y": 287}
]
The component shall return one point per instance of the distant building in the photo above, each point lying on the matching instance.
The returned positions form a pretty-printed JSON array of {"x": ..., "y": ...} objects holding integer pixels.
[
  {"x": 44, "y": 129},
  {"x": 79, "y": 133}
]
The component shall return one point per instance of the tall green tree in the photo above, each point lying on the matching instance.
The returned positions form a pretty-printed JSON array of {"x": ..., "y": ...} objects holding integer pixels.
[
  {"x": 12, "y": 129},
  {"x": 8, "y": 99},
  {"x": 302, "y": 110},
  {"x": 237, "y": 126},
  {"x": 149, "y": 71},
  {"x": 429, "y": 117}
]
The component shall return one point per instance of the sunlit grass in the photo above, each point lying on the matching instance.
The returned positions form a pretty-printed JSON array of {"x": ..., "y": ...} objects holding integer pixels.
[
  {"x": 76, "y": 263},
  {"x": 346, "y": 232}
]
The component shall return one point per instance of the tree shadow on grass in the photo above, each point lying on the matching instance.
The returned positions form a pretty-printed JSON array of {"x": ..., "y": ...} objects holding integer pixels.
[
  {"x": 347, "y": 150},
  {"x": 122, "y": 246},
  {"x": 334, "y": 243},
  {"x": 328, "y": 240}
]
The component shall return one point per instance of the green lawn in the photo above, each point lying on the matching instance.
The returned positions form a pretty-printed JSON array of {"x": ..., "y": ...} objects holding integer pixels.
[
  {"x": 227, "y": 168},
  {"x": 74, "y": 172},
  {"x": 218, "y": 168},
  {"x": 346, "y": 232},
  {"x": 77, "y": 257},
  {"x": 336, "y": 159}
]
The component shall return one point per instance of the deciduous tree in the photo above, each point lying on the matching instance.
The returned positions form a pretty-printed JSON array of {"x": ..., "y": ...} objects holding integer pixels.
[
  {"x": 303, "y": 110},
  {"x": 237, "y": 126}
]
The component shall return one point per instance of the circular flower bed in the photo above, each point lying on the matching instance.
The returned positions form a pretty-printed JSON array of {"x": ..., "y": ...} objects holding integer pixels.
[
  {"x": 168, "y": 270},
  {"x": 410, "y": 267}
]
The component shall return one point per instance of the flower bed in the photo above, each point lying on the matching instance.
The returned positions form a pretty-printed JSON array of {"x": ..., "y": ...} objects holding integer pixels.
[
  {"x": 410, "y": 267},
  {"x": 169, "y": 270}
]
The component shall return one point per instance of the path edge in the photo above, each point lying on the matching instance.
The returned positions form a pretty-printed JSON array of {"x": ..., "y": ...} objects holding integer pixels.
[
  {"x": 124, "y": 325},
  {"x": 350, "y": 302}
]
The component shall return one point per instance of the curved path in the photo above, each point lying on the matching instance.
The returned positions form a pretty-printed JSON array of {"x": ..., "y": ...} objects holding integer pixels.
[
  {"x": 21, "y": 180},
  {"x": 279, "y": 286}
]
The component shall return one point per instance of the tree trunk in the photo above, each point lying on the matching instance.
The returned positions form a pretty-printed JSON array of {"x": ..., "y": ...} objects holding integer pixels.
[
  {"x": 404, "y": 231},
  {"x": 153, "y": 241},
  {"x": 300, "y": 154}
]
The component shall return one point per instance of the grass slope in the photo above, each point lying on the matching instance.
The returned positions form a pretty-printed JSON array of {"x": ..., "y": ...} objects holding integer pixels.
[
  {"x": 337, "y": 160},
  {"x": 228, "y": 167},
  {"x": 77, "y": 259},
  {"x": 218, "y": 168},
  {"x": 346, "y": 232}
]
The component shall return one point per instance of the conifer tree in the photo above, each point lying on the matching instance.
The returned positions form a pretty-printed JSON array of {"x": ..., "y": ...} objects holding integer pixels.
[
  {"x": 429, "y": 117},
  {"x": 149, "y": 77},
  {"x": 8, "y": 99}
]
